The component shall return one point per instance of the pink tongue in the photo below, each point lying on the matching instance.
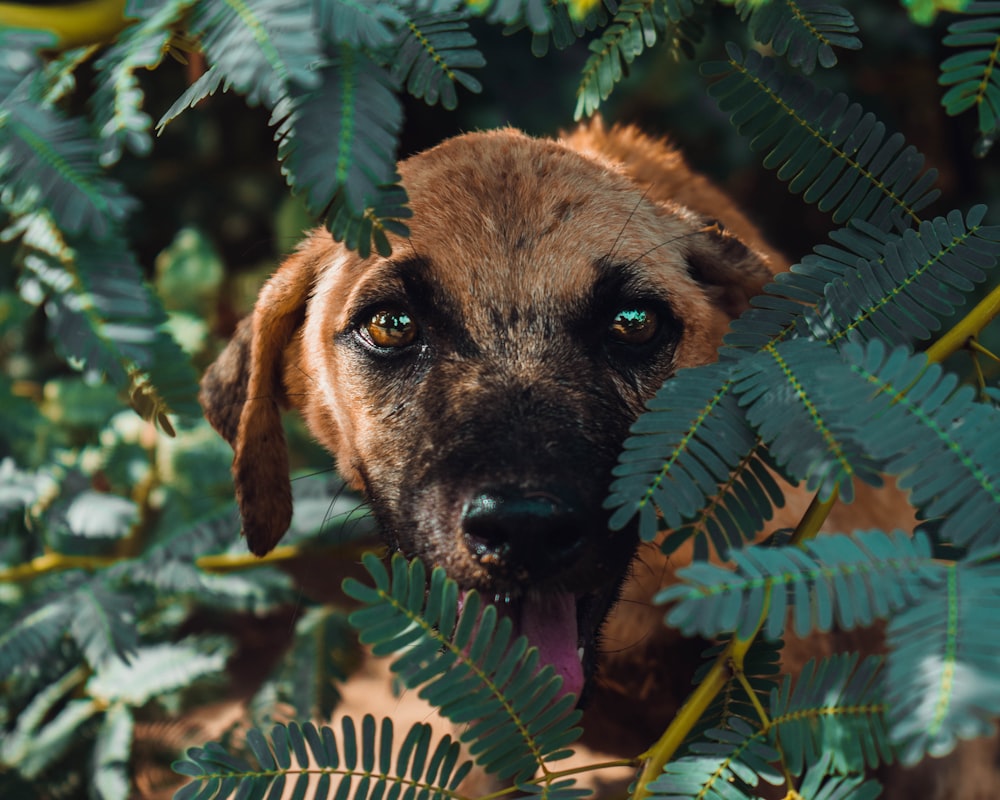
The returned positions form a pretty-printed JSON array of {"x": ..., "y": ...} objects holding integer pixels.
[{"x": 549, "y": 622}]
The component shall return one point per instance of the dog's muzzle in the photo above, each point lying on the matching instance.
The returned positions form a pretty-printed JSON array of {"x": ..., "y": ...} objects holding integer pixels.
[{"x": 527, "y": 538}]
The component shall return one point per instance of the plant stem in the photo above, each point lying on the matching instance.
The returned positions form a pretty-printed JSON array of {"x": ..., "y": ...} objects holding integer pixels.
[
  {"x": 966, "y": 328},
  {"x": 236, "y": 562},
  {"x": 54, "y": 562},
  {"x": 657, "y": 756}
]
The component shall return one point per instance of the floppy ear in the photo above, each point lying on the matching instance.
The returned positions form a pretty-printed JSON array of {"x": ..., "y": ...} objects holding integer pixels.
[
  {"x": 242, "y": 394},
  {"x": 731, "y": 271}
]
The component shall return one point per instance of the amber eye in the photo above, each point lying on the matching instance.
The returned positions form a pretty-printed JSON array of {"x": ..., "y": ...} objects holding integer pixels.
[
  {"x": 634, "y": 325},
  {"x": 391, "y": 328}
]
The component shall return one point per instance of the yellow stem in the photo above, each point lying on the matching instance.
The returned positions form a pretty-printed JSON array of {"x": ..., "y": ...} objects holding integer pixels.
[
  {"x": 694, "y": 707},
  {"x": 72, "y": 24},
  {"x": 54, "y": 562},
  {"x": 966, "y": 328},
  {"x": 976, "y": 346},
  {"x": 235, "y": 562}
]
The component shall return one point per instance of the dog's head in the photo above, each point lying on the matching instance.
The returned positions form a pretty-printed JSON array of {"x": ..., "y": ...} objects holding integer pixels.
[{"x": 477, "y": 384}]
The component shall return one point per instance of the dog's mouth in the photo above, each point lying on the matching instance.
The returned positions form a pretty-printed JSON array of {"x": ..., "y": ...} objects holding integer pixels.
[{"x": 562, "y": 626}]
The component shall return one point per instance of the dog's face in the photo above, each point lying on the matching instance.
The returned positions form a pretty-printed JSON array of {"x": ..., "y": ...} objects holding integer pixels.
[{"x": 477, "y": 384}]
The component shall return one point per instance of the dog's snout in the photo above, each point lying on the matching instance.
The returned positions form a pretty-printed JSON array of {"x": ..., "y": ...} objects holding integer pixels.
[{"x": 535, "y": 531}]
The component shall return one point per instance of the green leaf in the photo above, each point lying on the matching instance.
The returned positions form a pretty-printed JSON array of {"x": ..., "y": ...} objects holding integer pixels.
[
  {"x": 935, "y": 438},
  {"x": 508, "y": 698},
  {"x": 51, "y": 162},
  {"x": 260, "y": 48},
  {"x": 157, "y": 669},
  {"x": 827, "y": 148},
  {"x": 112, "y": 754},
  {"x": 942, "y": 684},
  {"x": 836, "y": 708},
  {"x": 805, "y": 31},
  {"x": 729, "y": 761},
  {"x": 836, "y": 579},
  {"x": 680, "y": 452},
  {"x": 972, "y": 74},
  {"x": 103, "y": 623},
  {"x": 119, "y": 119},
  {"x": 808, "y": 440},
  {"x": 433, "y": 56}
]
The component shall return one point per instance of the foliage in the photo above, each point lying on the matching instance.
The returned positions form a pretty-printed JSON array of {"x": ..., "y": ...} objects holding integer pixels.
[{"x": 123, "y": 587}]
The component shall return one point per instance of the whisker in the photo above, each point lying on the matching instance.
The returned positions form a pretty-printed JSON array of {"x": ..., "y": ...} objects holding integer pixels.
[{"x": 628, "y": 220}]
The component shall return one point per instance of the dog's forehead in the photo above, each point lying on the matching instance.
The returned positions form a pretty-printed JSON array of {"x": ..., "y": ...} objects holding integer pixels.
[{"x": 501, "y": 214}]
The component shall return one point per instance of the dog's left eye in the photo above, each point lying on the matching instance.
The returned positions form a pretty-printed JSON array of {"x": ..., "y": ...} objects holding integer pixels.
[
  {"x": 634, "y": 325},
  {"x": 390, "y": 328}
]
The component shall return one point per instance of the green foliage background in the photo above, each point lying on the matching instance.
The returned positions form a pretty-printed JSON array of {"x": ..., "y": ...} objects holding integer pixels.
[{"x": 135, "y": 234}]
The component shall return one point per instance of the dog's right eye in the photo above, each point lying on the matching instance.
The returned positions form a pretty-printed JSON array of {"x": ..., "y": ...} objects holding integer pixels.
[{"x": 390, "y": 328}]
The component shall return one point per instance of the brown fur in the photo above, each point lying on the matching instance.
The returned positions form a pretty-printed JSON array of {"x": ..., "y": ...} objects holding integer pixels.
[{"x": 509, "y": 238}]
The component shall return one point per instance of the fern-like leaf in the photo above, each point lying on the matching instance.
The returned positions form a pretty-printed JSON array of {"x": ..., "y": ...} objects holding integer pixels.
[
  {"x": 806, "y": 441},
  {"x": 33, "y": 638},
  {"x": 919, "y": 279},
  {"x": 365, "y": 765},
  {"x": 46, "y": 730},
  {"x": 113, "y": 753},
  {"x": 741, "y": 507},
  {"x": 104, "y": 318},
  {"x": 119, "y": 119},
  {"x": 680, "y": 451},
  {"x": 103, "y": 624},
  {"x": 637, "y": 25},
  {"x": 972, "y": 74},
  {"x": 935, "y": 438},
  {"x": 942, "y": 682},
  {"x": 827, "y": 148},
  {"x": 835, "y": 708},
  {"x": 729, "y": 761},
  {"x": 777, "y": 313},
  {"x": 259, "y": 48},
  {"x": 761, "y": 668},
  {"x": 804, "y": 31},
  {"x": 538, "y": 15},
  {"x": 340, "y": 140},
  {"x": 154, "y": 670},
  {"x": 368, "y": 23},
  {"x": 850, "y": 581},
  {"x": 468, "y": 666},
  {"x": 52, "y": 162},
  {"x": 564, "y": 29},
  {"x": 433, "y": 57}
]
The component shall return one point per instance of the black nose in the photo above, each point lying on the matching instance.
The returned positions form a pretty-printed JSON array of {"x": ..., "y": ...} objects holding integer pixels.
[{"x": 534, "y": 531}]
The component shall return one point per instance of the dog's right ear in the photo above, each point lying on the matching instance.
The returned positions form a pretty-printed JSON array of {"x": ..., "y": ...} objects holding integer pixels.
[{"x": 242, "y": 394}]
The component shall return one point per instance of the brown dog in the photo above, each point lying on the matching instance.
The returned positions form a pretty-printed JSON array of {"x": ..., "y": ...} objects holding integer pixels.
[{"x": 477, "y": 384}]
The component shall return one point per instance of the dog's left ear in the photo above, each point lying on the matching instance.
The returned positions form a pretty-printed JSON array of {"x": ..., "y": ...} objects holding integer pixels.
[
  {"x": 731, "y": 271},
  {"x": 242, "y": 394}
]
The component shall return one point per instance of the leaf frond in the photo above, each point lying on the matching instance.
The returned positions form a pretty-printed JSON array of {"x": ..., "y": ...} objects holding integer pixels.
[
  {"x": 360, "y": 764},
  {"x": 469, "y": 665},
  {"x": 850, "y": 581},
  {"x": 804, "y": 31},
  {"x": 729, "y": 761},
  {"x": 934, "y": 437},
  {"x": 827, "y": 148},
  {"x": 942, "y": 683},
  {"x": 433, "y": 56},
  {"x": 836, "y": 708},
  {"x": 972, "y": 74},
  {"x": 680, "y": 451},
  {"x": 119, "y": 119},
  {"x": 811, "y": 444}
]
